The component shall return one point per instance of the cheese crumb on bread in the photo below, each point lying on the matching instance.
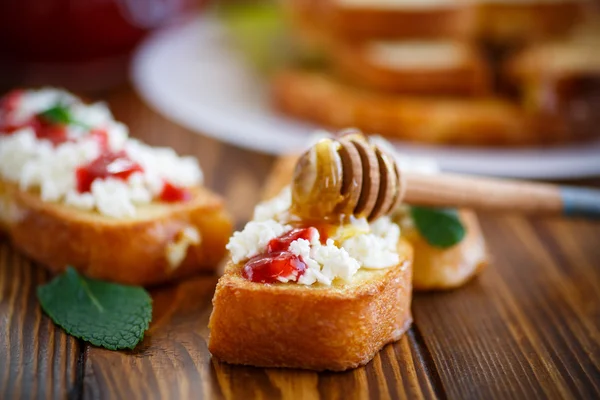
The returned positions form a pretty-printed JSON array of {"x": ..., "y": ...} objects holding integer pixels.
[
  {"x": 356, "y": 245},
  {"x": 39, "y": 164}
]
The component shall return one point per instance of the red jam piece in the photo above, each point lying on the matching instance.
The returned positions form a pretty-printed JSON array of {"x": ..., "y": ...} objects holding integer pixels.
[
  {"x": 266, "y": 268},
  {"x": 101, "y": 136},
  {"x": 8, "y": 104},
  {"x": 54, "y": 133},
  {"x": 11, "y": 100},
  {"x": 282, "y": 242},
  {"x": 108, "y": 165},
  {"x": 6, "y": 127},
  {"x": 171, "y": 193}
]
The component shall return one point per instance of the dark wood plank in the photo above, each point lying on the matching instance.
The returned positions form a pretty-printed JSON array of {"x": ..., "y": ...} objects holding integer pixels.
[
  {"x": 37, "y": 359},
  {"x": 529, "y": 326},
  {"x": 171, "y": 361}
]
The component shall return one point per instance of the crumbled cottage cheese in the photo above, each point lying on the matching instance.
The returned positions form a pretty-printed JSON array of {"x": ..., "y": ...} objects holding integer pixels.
[
  {"x": 254, "y": 238},
  {"x": 371, "y": 246},
  {"x": 36, "y": 164}
]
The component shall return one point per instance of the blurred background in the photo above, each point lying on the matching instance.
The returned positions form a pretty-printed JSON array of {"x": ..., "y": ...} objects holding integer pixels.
[{"x": 498, "y": 87}]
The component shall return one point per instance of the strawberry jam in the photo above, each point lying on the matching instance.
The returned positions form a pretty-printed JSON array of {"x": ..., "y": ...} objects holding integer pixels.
[
  {"x": 10, "y": 101},
  {"x": 55, "y": 133},
  {"x": 277, "y": 262},
  {"x": 108, "y": 165},
  {"x": 101, "y": 136},
  {"x": 266, "y": 268},
  {"x": 282, "y": 242},
  {"x": 171, "y": 193}
]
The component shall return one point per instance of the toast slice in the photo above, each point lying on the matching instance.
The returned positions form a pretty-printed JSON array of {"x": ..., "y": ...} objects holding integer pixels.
[
  {"x": 510, "y": 21},
  {"x": 163, "y": 242},
  {"x": 482, "y": 122},
  {"x": 555, "y": 71},
  {"x": 561, "y": 78},
  {"x": 443, "y": 269},
  {"x": 402, "y": 19},
  {"x": 317, "y": 327},
  {"x": 433, "y": 268},
  {"x": 414, "y": 67},
  {"x": 76, "y": 190}
]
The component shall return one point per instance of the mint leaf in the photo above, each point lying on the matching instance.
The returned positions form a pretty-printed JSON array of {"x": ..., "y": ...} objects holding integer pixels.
[
  {"x": 441, "y": 227},
  {"x": 105, "y": 314},
  {"x": 58, "y": 114}
]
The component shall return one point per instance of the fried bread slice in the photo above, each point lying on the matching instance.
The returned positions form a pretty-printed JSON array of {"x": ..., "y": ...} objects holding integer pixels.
[
  {"x": 551, "y": 71},
  {"x": 322, "y": 99},
  {"x": 163, "y": 242},
  {"x": 402, "y": 19},
  {"x": 448, "y": 268},
  {"x": 510, "y": 21},
  {"x": 414, "y": 67},
  {"x": 311, "y": 327}
]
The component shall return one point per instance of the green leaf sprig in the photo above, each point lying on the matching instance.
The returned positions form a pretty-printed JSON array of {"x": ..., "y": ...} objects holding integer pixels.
[
  {"x": 441, "y": 227},
  {"x": 60, "y": 114},
  {"x": 104, "y": 314}
]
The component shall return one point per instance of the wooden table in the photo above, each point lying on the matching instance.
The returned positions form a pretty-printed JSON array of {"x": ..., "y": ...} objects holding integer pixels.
[{"x": 528, "y": 327}]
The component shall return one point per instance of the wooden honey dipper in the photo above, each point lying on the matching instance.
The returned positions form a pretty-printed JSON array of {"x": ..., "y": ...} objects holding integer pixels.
[{"x": 352, "y": 176}]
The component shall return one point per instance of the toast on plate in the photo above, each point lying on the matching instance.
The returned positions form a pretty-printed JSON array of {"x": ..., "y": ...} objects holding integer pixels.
[
  {"x": 75, "y": 190},
  {"x": 561, "y": 78},
  {"x": 402, "y": 19},
  {"x": 414, "y": 67},
  {"x": 433, "y": 268},
  {"x": 510, "y": 21},
  {"x": 483, "y": 121},
  {"x": 552, "y": 73}
]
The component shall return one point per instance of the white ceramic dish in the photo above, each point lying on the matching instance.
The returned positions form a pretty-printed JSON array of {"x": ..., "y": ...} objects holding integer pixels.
[{"x": 189, "y": 74}]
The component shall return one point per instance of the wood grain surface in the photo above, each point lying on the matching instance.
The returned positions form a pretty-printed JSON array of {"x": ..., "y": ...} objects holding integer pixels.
[{"x": 527, "y": 328}]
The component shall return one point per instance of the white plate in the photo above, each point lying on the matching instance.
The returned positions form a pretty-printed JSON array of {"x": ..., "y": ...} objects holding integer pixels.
[{"x": 189, "y": 74}]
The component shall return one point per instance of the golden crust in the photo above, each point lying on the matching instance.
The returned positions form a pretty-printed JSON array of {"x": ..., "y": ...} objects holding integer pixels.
[
  {"x": 364, "y": 23},
  {"x": 548, "y": 69},
  {"x": 522, "y": 22},
  {"x": 321, "y": 99},
  {"x": 510, "y": 22},
  {"x": 319, "y": 328},
  {"x": 433, "y": 268},
  {"x": 469, "y": 77},
  {"x": 132, "y": 251}
]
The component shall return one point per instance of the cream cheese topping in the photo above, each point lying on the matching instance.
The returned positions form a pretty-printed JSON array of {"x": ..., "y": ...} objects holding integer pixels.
[
  {"x": 354, "y": 246},
  {"x": 35, "y": 163},
  {"x": 254, "y": 238}
]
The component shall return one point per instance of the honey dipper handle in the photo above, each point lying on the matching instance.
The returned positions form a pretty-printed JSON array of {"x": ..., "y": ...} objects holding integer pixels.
[{"x": 450, "y": 190}]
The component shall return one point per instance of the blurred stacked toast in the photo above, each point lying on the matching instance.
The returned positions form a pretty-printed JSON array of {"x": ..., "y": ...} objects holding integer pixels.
[{"x": 471, "y": 72}]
